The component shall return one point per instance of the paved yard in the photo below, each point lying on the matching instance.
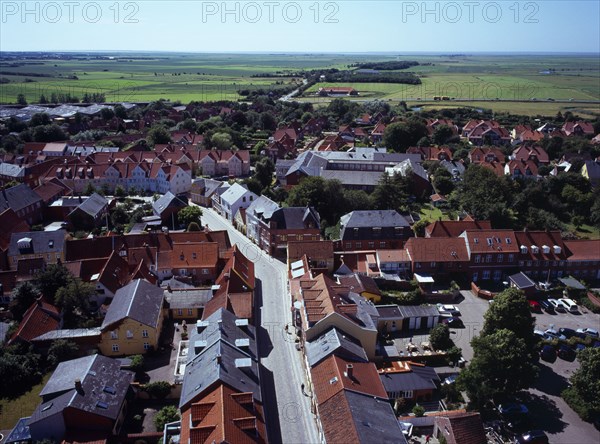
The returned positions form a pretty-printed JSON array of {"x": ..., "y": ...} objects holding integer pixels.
[{"x": 549, "y": 411}]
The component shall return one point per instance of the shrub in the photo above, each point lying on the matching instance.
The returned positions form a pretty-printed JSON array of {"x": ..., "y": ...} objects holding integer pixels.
[
  {"x": 440, "y": 337},
  {"x": 418, "y": 411},
  {"x": 158, "y": 389},
  {"x": 164, "y": 416},
  {"x": 137, "y": 363},
  {"x": 577, "y": 404}
]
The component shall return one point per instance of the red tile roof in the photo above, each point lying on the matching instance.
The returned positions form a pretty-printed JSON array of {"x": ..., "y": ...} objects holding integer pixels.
[
  {"x": 583, "y": 250},
  {"x": 492, "y": 241},
  {"x": 437, "y": 249},
  {"x": 40, "y": 318},
  {"x": 466, "y": 428},
  {"x": 452, "y": 228}
]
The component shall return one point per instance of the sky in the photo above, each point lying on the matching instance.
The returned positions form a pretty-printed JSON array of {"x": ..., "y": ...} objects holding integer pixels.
[{"x": 301, "y": 26}]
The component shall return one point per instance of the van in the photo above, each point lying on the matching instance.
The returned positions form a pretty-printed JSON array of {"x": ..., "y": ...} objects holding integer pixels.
[{"x": 570, "y": 304}]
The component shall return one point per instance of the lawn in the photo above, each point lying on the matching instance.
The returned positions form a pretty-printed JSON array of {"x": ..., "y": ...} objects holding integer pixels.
[
  {"x": 431, "y": 213},
  {"x": 12, "y": 410}
]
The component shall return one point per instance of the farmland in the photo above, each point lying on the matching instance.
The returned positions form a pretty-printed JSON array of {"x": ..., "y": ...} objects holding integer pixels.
[{"x": 211, "y": 77}]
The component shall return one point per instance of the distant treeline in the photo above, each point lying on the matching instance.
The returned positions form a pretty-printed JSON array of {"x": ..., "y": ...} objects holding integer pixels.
[
  {"x": 388, "y": 77},
  {"x": 386, "y": 66},
  {"x": 25, "y": 74}
]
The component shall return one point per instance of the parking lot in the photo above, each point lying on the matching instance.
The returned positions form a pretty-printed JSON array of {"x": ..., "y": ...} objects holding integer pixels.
[{"x": 548, "y": 410}]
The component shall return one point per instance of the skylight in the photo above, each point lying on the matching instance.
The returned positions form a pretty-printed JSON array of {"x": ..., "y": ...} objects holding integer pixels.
[
  {"x": 101, "y": 405},
  {"x": 110, "y": 390}
]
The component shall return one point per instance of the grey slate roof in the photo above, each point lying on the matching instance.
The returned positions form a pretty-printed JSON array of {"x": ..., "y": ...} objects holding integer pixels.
[
  {"x": 423, "y": 311},
  {"x": 292, "y": 218},
  {"x": 334, "y": 342},
  {"x": 374, "y": 419},
  {"x": 168, "y": 200},
  {"x": 220, "y": 336},
  {"x": 420, "y": 378},
  {"x": 373, "y": 218},
  {"x": 93, "y": 205},
  {"x": 18, "y": 197},
  {"x": 521, "y": 280},
  {"x": 69, "y": 334},
  {"x": 11, "y": 170},
  {"x": 104, "y": 385},
  {"x": 42, "y": 242},
  {"x": 262, "y": 207},
  {"x": 354, "y": 178},
  {"x": 209, "y": 185},
  {"x": 138, "y": 300},
  {"x": 236, "y": 192},
  {"x": 366, "y": 311}
]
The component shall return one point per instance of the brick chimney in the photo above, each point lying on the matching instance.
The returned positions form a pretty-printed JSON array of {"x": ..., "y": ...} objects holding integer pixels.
[
  {"x": 78, "y": 386},
  {"x": 350, "y": 371}
]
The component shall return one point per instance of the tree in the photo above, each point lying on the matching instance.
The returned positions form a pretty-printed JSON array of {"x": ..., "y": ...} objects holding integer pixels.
[
  {"x": 253, "y": 185},
  {"x": 324, "y": 195},
  {"x": 391, "y": 193},
  {"x": 263, "y": 172},
  {"x": 48, "y": 133},
  {"x": 19, "y": 371},
  {"x": 89, "y": 189},
  {"x": 439, "y": 337},
  {"x": 442, "y": 134},
  {"x": 120, "y": 191},
  {"x": 193, "y": 226},
  {"x": 498, "y": 368},
  {"x": 21, "y": 100},
  {"x": 24, "y": 295},
  {"x": 158, "y": 389},
  {"x": 62, "y": 350},
  {"x": 119, "y": 217},
  {"x": 50, "y": 280},
  {"x": 74, "y": 300},
  {"x": 164, "y": 416},
  {"x": 189, "y": 214},
  {"x": 510, "y": 311},
  {"x": 443, "y": 184},
  {"x": 221, "y": 141},
  {"x": 400, "y": 136},
  {"x": 137, "y": 363},
  {"x": 584, "y": 394},
  {"x": 158, "y": 135}
]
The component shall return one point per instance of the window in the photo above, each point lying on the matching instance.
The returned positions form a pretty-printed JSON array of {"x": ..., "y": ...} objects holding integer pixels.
[
  {"x": 371, "y": 244},
  {"x": 406, "y": 394},
  {"x": 193, "y": 255},
  {"x": 432, "y": 264},
  {"x": 144, "y": 333},
  {"x": 486, "y": 275},
  {"x": 359, "y": 245},
  {"x": 114, "y": 334},
  {"x": 115, "y": 347},
  {"x": 129, "y": 334},
  {"x": 488, "y": 258},
  {"x": 190, "y": 313},
  {"x": 497, "y": 275},
  {"x": 348, "y": 245},
  {"x": 475, "y": 276},
  {"x": 477, "y": 258},
  {"x": 205, "y": 271},
  {"x": 146, "y": 346},
  {"x": 381, "y": 244},
  {"x": 500, "y": 258},
  {"x": 508, "y": 240},
  {"x": 511, "y": 258},
  {"x": 179, "y": 312},
  {"x": 418, "y": 265}
]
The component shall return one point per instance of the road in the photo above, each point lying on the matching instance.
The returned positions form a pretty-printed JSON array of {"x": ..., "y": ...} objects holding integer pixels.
[
  {"x": 289, "y": 96},
  {"x": 292, "y": 422}
]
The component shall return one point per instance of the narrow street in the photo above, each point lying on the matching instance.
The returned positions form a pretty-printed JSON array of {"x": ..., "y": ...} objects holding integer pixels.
[{"x": 291, "y": 422}]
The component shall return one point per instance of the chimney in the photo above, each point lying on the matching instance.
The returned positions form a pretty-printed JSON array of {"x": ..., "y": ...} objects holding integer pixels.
[
  {"x": 78, "y": 386},
  {"x": 349, "y": 371},
  {"x": 219, "y": 359}
]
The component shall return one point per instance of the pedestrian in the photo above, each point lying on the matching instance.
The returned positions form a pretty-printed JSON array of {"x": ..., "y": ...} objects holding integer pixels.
[
  {"x": 427, "y": 438},
  {"x": 302, "y": 387}
]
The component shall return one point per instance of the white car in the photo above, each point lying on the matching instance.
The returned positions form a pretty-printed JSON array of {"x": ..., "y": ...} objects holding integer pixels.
[
  {"x": 558, "y": 306},
  {"x": 588, "y": 331},
  {"x": 448, "y": 309}
]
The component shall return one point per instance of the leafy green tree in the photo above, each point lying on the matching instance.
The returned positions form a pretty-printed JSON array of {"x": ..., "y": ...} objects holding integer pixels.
[
  {"x": 442, "y": 134},
  {"x": 74, "y": 300},
  {"x": 89, "y": 189},
  {"x": 221, "y": 141},
  {"x": 400, "y": 136},
  {"x": 485, "y": 196},
  {"x": 357, "y": 200},
  {"x": 439, "y": 337},
  {"x": 499, "y": 367},
  {"x": 48, "y": 133},
  {"x": 164, "y": 416},
  {"x": 39, "y": 119},
  {"x": 137, "y": 363},
  {"x": 259, "y": 147},
  {"x": 263, "y": 172},
  {"x": 253, "y": 185},
  {"x": 62, "y": 350},
  {"x": 120, "y": 191},
  {"x": 55, "y": 276},
  {"x": 584, "y": 394},
  {"x": 158, "y": 389},
  {"x": 21, "y": 100},
  {"x": 158, "y": 135},
  {"x": 324, "y": 195},
  {"x": 189, "y": 214},
  {"x": 19, "y": 371},
  {"x": 24, "y": 295},
  {"x": 391, "y": 193},
  {"x": 510, "y": 311},
  {"x": 119, "y": 217},
  {"x": 443, "y": 183}
]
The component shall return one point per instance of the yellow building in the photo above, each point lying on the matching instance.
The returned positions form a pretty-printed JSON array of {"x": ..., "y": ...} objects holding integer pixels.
[{"x": 133, "y": 321}]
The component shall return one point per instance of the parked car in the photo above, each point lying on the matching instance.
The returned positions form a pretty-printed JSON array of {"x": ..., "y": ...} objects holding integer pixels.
[
  {"x": 535, "y": 306},
  {"x": 569, "y": 304},
  {"x": 449, "y": 380},
  {"x": 579, "y": 347},
  {"x": 558, "y": 306},
  {"x": 555, "y": 334},
  {"x": 453, "y": 322},
  {"x": 588, "y": 331},
  {"x": 567, "y": 332},
  {"x": 542, "y": 335},
  {"x": 532, "y": 437},
  {"x": 513, "y": 408},
  {"x": 567, "y": 353},
  {"x": 451, "y": 309},
  {"x": 548, "y": 353},
  {"x": 547, "y": 306}
]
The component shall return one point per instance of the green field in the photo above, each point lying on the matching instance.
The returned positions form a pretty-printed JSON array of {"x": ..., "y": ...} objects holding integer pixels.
[
  {"x": 14, "y": 409},
  {"x": 209, "y": 77}
]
